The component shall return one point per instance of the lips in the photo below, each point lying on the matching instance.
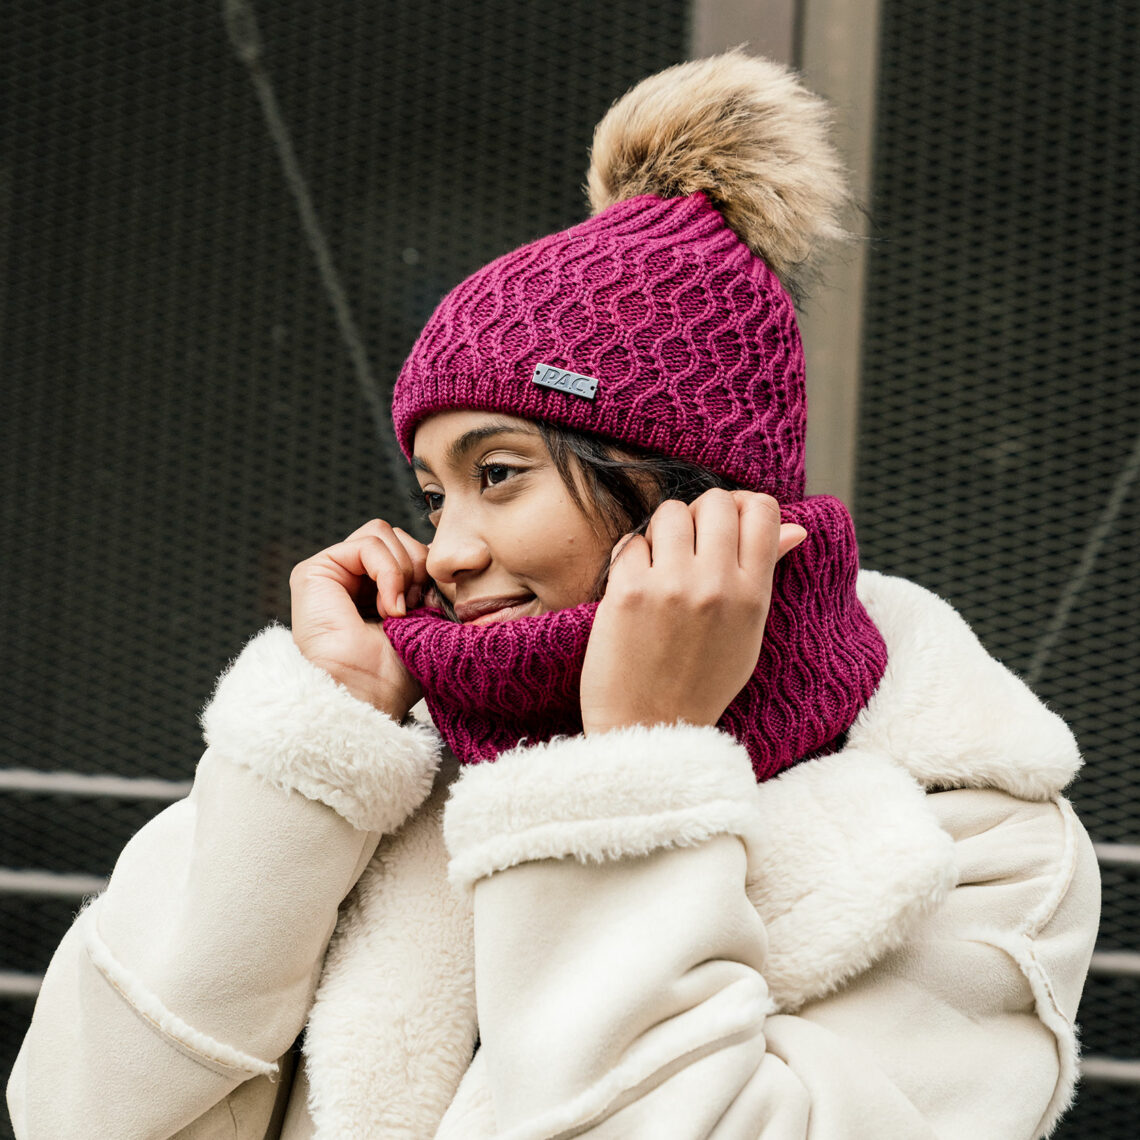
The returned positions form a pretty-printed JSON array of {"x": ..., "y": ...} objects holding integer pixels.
[{"x": 483, "y": 611}]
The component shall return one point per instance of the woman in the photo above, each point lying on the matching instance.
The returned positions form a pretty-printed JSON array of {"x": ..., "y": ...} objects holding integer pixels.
[{"x": 737, "y": 849}]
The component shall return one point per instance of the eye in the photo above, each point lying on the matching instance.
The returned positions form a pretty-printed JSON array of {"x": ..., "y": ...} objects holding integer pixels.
[
  {"x": 495, "y": 473},
  {"x": 432, "y": 501}
]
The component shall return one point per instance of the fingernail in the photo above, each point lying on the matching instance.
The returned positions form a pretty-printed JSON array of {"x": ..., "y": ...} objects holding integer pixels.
[{"x": 401, "y": 606}]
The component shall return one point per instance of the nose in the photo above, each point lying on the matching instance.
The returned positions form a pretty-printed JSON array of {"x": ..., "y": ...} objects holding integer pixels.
[{"x": 457, "y": 549}]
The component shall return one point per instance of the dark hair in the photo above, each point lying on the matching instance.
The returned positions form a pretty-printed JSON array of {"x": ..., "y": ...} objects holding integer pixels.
[{"x": 623, "y": 485}]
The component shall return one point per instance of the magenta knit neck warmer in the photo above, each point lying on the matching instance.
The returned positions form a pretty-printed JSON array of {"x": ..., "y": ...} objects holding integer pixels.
[{"x": 491, "y": 687}]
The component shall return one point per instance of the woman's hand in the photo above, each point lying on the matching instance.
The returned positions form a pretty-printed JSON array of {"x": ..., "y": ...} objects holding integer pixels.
[
  {"x": 677, "y": 634},
  {"x": 378, "y": 571}
]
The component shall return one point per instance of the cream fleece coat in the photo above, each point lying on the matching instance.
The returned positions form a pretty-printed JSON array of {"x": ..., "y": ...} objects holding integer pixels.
[{"x": 889, "y": 942}]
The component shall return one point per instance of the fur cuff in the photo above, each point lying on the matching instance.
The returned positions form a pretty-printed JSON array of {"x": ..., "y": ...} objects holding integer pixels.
[
  {"x": 610, "y": 796},
  {"x": 290, "y": 722}
]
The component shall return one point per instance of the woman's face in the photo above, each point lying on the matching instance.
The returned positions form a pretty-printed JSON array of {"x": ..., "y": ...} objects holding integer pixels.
[{"x": 509, "y": 539}]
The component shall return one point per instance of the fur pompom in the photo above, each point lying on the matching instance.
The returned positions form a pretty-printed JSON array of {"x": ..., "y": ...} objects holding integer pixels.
[{"x": 746, "y": 132}]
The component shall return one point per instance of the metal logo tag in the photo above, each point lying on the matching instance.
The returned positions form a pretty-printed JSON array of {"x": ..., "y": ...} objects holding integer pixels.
[{"x": 561, "y": 380}]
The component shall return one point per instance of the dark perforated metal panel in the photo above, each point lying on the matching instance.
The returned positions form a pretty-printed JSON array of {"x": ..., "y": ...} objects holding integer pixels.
[
  {"x": 15, "y": 1013},
  {"x": 998, "y": 450},
  {"x": 185, "y": 417},
  {"x": 76, "y": 834},
  {"x": 184, "y": 412},
  {"x": 41, "y": 923},
  {"x": 1112, "y": 1031},
  {"x": 1102, "y": 1112},
  {"x": 1120, "y": 916}
]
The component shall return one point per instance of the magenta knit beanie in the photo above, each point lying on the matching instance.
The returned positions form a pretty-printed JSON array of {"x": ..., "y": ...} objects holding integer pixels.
[{"x": 662, "y": 321}]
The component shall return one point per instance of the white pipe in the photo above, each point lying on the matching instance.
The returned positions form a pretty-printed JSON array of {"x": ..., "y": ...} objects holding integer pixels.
[
  {"x": 48, "y": 884},
  {"x": 14, "y": 984},
  {"x": 1118, "y": 854},
  {"x": 79, "y": 784}
]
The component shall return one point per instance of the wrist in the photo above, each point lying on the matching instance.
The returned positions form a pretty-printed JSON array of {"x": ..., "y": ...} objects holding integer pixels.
[
  {"x": 617, "y": 706},
  {"x": 595, "y": 724},
  {"x": 367, "y": 687},
  {"x": 383, "y": 702}
]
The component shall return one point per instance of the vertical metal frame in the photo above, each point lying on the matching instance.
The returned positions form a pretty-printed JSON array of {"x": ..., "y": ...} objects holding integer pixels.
[
  {"x": 834, "y": 43},
  {"x": 839, "y": 57},
  {"x": 766, "y": 27}
]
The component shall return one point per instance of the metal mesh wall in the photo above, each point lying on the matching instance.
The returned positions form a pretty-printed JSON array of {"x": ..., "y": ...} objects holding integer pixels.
[
  {"x": 1000, "y": 433},
  {"x": 187, "y": 412},
  {"x": 184, "y": 411}
]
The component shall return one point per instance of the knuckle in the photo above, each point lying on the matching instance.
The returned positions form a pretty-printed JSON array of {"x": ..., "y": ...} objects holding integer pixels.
[
  {"x": 377, "y": 547},
  {"x": 755, "y": 617},
  {"x": 752, "y": 607},
  {"x": 628, "y": 590},
  {"x": 669, "y": 507},
  {"x": 762, "y": 510},
  {"x": 372, "y": 529},
  {"x": 767, "y": 503},
  {"x": 636, "y": 596},
  {"x": 621, "y": 548},
  {"x": 704, "y": 602},
  {"x": 673, "y": 595},
  {"x": 366, "y": 550},
  {"x": 715, "y": 495},
  {"x": 710, "y": 596}
]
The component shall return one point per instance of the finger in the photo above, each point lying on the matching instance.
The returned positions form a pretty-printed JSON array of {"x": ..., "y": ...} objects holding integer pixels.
[
  {"x": 671, "y": 536},
  {"x": 372, "y": 526},
  {"x": 327, "y": 587},
  {"x": 791, "y": 535},
  {"x": 716, "y": 525},
  {"x": 355, "y": 561},
  {"x": 759, "y": 516},
  {"x": 333, "y": 587},
  {"x": 390, "y": 567},
  {"x": 412, "y": 556},
  {"x": 631, "y": 552},
  {"x": 340, "y": 563},
  {"x": 395, "y": 538},
  {"x": 416, "y": 551},
  {"x": 409, "y": 552}
]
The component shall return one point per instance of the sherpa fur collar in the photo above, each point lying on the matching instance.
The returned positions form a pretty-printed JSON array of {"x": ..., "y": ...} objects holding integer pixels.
[{"x": 845, "y": 856}]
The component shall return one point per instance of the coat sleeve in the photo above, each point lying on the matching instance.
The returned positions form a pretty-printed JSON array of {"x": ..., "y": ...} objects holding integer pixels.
[
  {"x": 192, "y": 974},
  {"x": 652, "y": 961}
]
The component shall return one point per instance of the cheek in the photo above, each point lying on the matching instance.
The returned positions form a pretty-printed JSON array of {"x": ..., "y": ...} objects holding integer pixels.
[
  {"x": 553, "y": 546},
  {"x": 559, "y": 552},
  {"x": 578, "y": 557}
]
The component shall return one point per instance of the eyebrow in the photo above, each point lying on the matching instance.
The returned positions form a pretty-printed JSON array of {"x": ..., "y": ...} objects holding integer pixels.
[{"x": 459, "y": 447}]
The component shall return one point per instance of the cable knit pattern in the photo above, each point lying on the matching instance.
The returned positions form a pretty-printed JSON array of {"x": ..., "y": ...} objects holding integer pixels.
[
  {"x": 692, "y": 339},
  {"x": 490, "y": 687}
]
